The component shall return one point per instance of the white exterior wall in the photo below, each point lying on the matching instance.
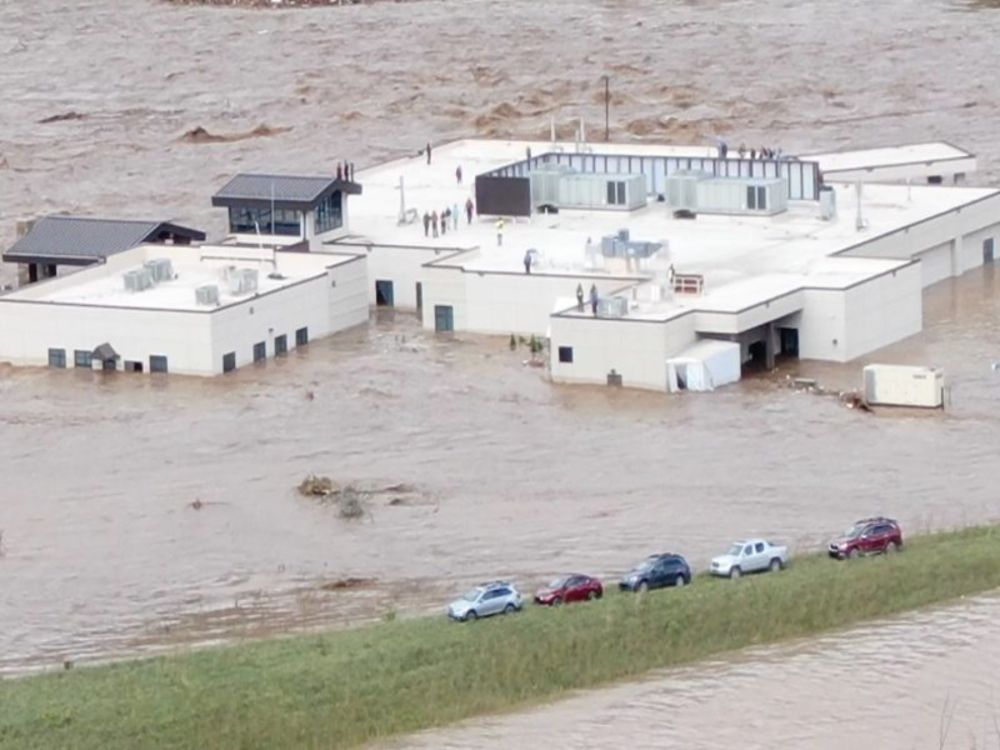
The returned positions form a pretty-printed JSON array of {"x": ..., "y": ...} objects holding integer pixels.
[
  {"x": 504, "y": 303},
  {"x": 403, "y": 266},
  {"x": 637, "y": 350},
  {"x": 961, "y": 227},
  {"x": 937, "y": 263},
  {"x": 193, "y": 341},
  {"x": 822, "y": 325},
  {"x": 880, "y": 312}
]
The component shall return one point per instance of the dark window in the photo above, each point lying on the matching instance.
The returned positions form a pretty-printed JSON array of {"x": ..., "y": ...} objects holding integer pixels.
[
  {"x": 133, "y": 366},
  {"x": 611, "y": 193},
  {"x": 420, "y": 296},
  {"x": 109, "y": 364},
  {"x": 751, "y": 197},
  {"x": 616, "y": 193},
  {"x": 157, "y": 363},
  {"x": 621, "y": 193},
  {"x": 384, "y": 296},
  {"x": 57, "y": 357},
  {"x": 566, "y": 354},
  {"x": 329, "y": 213},
  {"x": 988, "y": 250},
  {"x": 759, "y": 547},
  {"x": 83, "y": 358},
  {"x": 302, "y": 337},
  {"x": 247, "y": 220},
  {"x": 229, "y": 362},
  {"x": 280, "y": 345},
  {"x": 260, "y": 351},
  {"x": 761, "y": 199}
]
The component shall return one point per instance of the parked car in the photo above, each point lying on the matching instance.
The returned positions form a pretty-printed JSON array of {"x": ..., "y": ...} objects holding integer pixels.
[
  {"x": 494, "y": 598},
  {"x": 657, "y": 571},
  {"x": 869, "y": 536},
  {"x": 750, "y": 556},
  {"x": 571, "y": 588}
]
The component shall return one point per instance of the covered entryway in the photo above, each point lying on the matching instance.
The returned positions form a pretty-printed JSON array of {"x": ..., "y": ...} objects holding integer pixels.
[
  {"x": 444, "y": 318},
  {"x": 384, "y": 294},
  {"x": 107, "y": 356}
]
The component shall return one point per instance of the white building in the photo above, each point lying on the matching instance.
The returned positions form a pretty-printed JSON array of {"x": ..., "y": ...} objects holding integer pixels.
[
  {"x": 199, "y": 310},
  {"x": 775, "y": 256}
]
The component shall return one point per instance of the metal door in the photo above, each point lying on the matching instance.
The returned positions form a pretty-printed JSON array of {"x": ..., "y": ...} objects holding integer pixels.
[{"x": 444, "y": 318}]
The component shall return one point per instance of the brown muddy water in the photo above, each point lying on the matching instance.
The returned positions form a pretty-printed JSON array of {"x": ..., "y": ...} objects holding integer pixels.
[{"x": 104, "y": 554}]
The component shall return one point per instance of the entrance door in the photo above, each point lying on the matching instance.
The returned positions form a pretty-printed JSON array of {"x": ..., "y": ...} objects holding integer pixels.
[
  {"x": 383, "y": 294},
  {"x": 789, "y": 341},
  {"x": 444, "y": 318},
  {"x": 420, "y": 296},
  {"x": 988, "y": 251}
]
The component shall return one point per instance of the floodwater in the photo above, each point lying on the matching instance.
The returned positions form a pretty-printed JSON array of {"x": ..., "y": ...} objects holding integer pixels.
[
  {"x": 922, "y": 682},
  {"x": 104, "y": 554}
]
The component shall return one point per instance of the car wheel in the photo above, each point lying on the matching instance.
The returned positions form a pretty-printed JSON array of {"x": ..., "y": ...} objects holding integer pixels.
[
  {"x": 643, "y": 587},
  {"x": 735, "y": 572},
  {"x": 557, "y": 601},
  {"x": 680, "y": 582},
  {"x": 508, "y": 609},
  {"x": 775, "y": 565},
  {"x": 854, "y": 554},
  {"x": 891, "y": 548},
  {"x": 591, "y": 595},
  {"x": 470, "y": 616}
]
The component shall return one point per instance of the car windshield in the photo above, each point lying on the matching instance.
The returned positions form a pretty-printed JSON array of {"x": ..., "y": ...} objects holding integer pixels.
[
  {"x": 471, "y": 596},
  {"x": 854, "y": 532},
  {"x": 558, "y": 583},
  {"x": 644, "y": 565},
  {"x": 735, "y": 550}
]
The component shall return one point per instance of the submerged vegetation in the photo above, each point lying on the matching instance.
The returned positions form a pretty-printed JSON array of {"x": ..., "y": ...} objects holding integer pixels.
[{"x": 342, "y": 689}]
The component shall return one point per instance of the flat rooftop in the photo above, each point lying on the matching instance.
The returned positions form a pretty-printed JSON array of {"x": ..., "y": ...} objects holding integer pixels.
[
  {"x": 742, "y": 258},
  {"x": 193, "y": 266},
  {"x": 889, "y": 156}
]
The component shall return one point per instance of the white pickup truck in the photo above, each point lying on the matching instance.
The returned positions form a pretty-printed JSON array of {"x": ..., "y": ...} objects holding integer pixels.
[{"x": 750, "y": 556}]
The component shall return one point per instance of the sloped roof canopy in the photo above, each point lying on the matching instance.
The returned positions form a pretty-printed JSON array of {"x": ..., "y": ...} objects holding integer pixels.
[
  {"x": 284, "y": 191},
  {"x": 80, "y": 241}
]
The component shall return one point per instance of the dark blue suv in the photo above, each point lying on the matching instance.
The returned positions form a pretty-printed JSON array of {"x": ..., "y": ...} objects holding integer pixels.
[{"x": 657, "y": 571}]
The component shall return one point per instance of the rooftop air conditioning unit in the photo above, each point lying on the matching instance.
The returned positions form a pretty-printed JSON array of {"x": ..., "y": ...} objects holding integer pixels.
[
  {"x": 160, "y": 269},
  {"x": 612, "y": 307},
  {"x": 827, "y": 203},
  {"x": 207, "y": 295},
  {"x": 243, "y": 281},
  {"x": 137, "y": 280}
]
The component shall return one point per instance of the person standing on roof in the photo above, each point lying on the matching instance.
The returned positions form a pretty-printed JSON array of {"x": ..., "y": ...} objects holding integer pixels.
[
  {"x": 427, "y": 223},
  {"x": 454, "y": 216},
  {"x": 593, "y": 299},
  {"x": 500, "y": 232},
  {"x": 579, "y": 297},
  {"x": 428, "y": 152},
  {"x": 469, "y": 207},
  {"x": 434, "y": 223},
  {"x": 458, "y": 174},
  {"x": 527, "y": 262},
  {"x": 444, "y": 222}
]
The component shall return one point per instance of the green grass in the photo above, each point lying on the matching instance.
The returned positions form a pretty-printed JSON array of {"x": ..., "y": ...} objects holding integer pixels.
[{"x": 344, "y": 688}]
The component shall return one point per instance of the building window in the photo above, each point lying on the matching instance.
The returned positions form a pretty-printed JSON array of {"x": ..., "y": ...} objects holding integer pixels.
[
  {"x": 260, "y": 351},
  {"x": 57, "y": 358},
  {"x": 280, "y": 345},
  {"x": 229, "y": 362},
  {"x": 302, "y": 337},
  {"x": 157, "y": 363},
  {"x": 247, "y": 220},
  {"x": 566, "y": 354},
  {"x": 988, "y": 253},
  {"x": 133, "y": 366},
  {"x": 83, "y": 358},
  {"x": 329, "y": 213}
]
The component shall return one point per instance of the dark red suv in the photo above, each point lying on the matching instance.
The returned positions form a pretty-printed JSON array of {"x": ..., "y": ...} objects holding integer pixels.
[
  {"x": 571, "y": 588},
  {"x": 869, "y": 536}
]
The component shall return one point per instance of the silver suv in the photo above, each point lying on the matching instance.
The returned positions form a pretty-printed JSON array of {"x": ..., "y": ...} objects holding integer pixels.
[{"x": 495, "y": 598}]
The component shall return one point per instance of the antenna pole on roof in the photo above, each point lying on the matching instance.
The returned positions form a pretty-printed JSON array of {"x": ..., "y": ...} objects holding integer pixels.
[
  {"x": 552, "y": 129},
  {"x": 272, "y": 207}
]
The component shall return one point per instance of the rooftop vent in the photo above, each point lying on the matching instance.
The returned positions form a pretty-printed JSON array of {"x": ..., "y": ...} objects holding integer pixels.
[
  {"x": 612, "y": 307},
  {"x": 137, "y": 280},
  {"x": 207, "y": 295},
  {"x": 160, "y": 269},
  {"x": 242, "y": 280}
]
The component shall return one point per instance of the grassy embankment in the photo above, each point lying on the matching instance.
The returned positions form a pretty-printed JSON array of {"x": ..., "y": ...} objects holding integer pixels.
[{"x": 344, "y": 688}]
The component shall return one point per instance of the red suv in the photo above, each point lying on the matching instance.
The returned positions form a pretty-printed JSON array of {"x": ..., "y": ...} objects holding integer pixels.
[
  {"x": 869, "y": 536},
  {"x": 571, "y": 588}
]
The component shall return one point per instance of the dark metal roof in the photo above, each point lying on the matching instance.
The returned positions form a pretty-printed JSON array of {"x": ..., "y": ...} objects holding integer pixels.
[
  {"x": 76, "y": 240},
  {"x": 286, "y": 191},
  {"x": 105, "y": 352}
]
